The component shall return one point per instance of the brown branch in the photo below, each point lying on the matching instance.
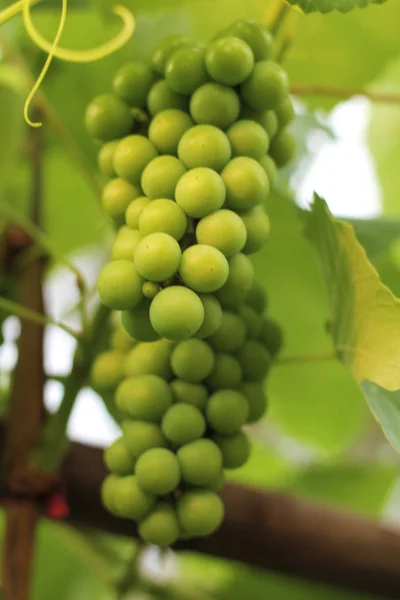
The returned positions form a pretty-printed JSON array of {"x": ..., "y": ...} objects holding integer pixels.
[
  {"x": 310, "y": 89},
  {"x": 267, "y": 530}
]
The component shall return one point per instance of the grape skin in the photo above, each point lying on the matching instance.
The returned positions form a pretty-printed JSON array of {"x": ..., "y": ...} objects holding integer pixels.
[
  {"x": 149, "y": 358},
  {"x": 224, "y": 230},
  {"x": 116, "y": 197},
  {"x": 203, "y": 268},
  {"x": 125, "y": 244},
  {"x": 183, "y": 423},
  {"x": 163, "y": 216},
  {"x": 161, "y": 97},
  {"x": 160, "y": 527},
  {"x": 134, "y": 211},
  {"x": 246, "y": 183},
  {"x": 229, "y": 60},
  {"x": 157, "y": 471},
  {"x": 185, "y": 70},
  {"x": 200, "y": 512},
  {"x": 215, "y": 104},
  {"x": 137, "y": 323},
  {"x": 167, "y": 128},
  {"x": 176, "y": 313},
  {"x": 132, "y": 83},
  {"x": 161, "y": 175},
  {"x": 148, "y": 255},
  {"x": 192, "y": 360},
  {"x": 200, "y": 191},
  {"x": 120, "y": 285},
  {"x": 107, "y": 371},
  {"x": 132, "y": 155},
  {"x": 204, "y": 146},
  {"x": 144, "y": 397}
]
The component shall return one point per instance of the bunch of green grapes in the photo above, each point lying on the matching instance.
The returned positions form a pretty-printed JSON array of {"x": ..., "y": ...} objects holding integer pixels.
[{"x": 191, "y": 143}]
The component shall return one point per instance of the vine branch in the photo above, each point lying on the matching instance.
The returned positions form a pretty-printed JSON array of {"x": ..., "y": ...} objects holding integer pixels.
[{"x": 310, "y": 89}]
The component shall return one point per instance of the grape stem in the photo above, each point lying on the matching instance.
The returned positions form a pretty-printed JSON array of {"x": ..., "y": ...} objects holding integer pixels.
[
  {"x": 310, "y": 89},
  {"x": 287, "y": 360}
]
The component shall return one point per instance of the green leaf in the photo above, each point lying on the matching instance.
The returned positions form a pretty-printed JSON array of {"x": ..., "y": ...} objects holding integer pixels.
[
  {"x": 376, "y": 235},
  {"x": 386, "y": 408},
  {"x": 325, "y": 6},
  {"x": 365, "y": 315}
]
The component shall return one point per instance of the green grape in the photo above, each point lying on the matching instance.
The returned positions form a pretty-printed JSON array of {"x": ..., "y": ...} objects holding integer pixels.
[
  {"x": 140, "y": 436},
  {"x": 105, "y": 158},
  {"x": 160, "y": 527},
  {"x": 248, "y": 138},
  {"x": 185, "y": 70},
  {"x": 200, "y": 462},
  {"x": 137, "y": 323},
  {"x": 257, "y": 298},
  {"x": 189, "y": 393},
  {"x": 163, "y": 216},
  {"x": 149, "y": 358},
  {"x": 271, "y": 336},
  {"x": 116, "y": 197},
  {"x": 157, "y": 471},
  {"x": 266, "y": 87},
  {"x": 164, "y": 49},
  {"x": 269, "y": 121},
  {"x": 227, "y": 410},
  {"x": 230, "y": 335},
  {"x": 283, "y": 148},
  {"x": 120, "y": 285},
  {"x": 132, "y": 83},
  {"x": 144, "y": 397},
  {"x": 134, "y": 210},
  {"x": 223, "y": 230},
  {"x": 255, "y": 360},
  {"x": 256, "y": 36},
  {"x": 108, "y": 118},
  {"x": 215, "y": 104},
  {"x": 161, "y": 175},
  {"x": 127, "y": 498},
  {"x": 161, "y": 98},
  {"x": 125, "y": 244},
  {"x": 132, "y": 155},
  {"x": 150, "y": 289},
  {"x": 251, "y": 319},
  {"x": 235, "y": 449},
  {"x": 200, "y": 191},
  {"x": 107, "y": 493},
  {"x": 217, "y": 485},
  {"x": 258, "y": 228},
  {"x": 167, "y": 128},
  {"x": 176, "y": 313},
  {"x": 226, "y": 374},
  {"x": 157, "y": 256},
  {"x": 212, "y": 316},
  {"x": 256, "y": 398},
  {"x": 285, "y": 112},
  {"x": 246, "y": 183},
  {"x": 229, "y": 60},
  {"x": 200, "y": 512},
  {"x": 204, "y": 146},
  {"x": 183, "y": 423},
  {"x": 269, "y": 166},
  {"x": 118, "y": 459},
  {"x": 121, "y": 340},
  {"x": 192, "y": 360},
  {"x": 203, "y": 268},
  {"x": 107, "y": 371},
  {"x": 241, "y": 274}
]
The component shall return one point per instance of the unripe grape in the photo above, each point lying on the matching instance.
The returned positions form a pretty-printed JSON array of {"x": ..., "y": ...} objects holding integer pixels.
[
  {"x": 125, "y": 244},
  {"x": 107, "y": 493},
  {"x": 227, "y": 410},
  {"x": 241, "y": 274},
  {"x": 246, "y": 183},
  {"x": 150, "y": 289},
  {"x": 189, "y": 393},
  {"x": 283, "y": 148},
  {"x": 108, "y": 118},
  {"x": 132, "y": 83},
  {"x": 185, "y": 70},
  {"x": 161, "y": 97},
  {"x": 105, "y": 158},
  {"x": 257, "y": 297},
  {"x": 164, "y": 49},
  {"x": 266, "y": 87},
  {"x": 254, "y": 359},
  {"x": 200, "y": 191},
  {"x": 229, "y": 60},
  {"x": 204, "y": 146},
  {"x": 269, "y": 121},
  {"x": 134, "y": 211},
  {"x": 140, "y": 437},
  {"x": 203, "y": 268},
  {"x": 163, "y": 216},
  {"x": 149, "y": 358},
  {"x": 226, "y": 374},
  {"x": 285, "y": 112},
  {"x": 256, "y": 36},
  {"x": 167, "y": 128},
  {"x": 157, "y": 256},
  {"x": 235, "y": 449},
  {"x": 271, "y": 336},
  {"x": 183, "y": 423},
  {"x": 128, "y": 499},
  {"x": 176, "y": 313},
  {"x": 217, "y": 485},
  {"x": 107, "y": 371},
  {"x": 118, "y": 459},
  {"x": 256, "y": 398},
  {"x": 116, "y": 197},
  {"x": 251, "y": 319},
  {"x": 157, "y": 471},
  {"x": 223, "y": 230},
  {"x": 200, "y": 512},
  {"x": 212, "y": 316},
  {"x": 200, "y": 462},
  {"x": 248, "y": 138},
  {"x": 231, "y": 334},
  {"x": 192, "y": 360},
  {"x": 121, "y": 340},
  {"x": 144, "y": 397},
  {"x": 161, "y": 175},
  {"x": 215, "y": 104},
  {"x": 132, "y": 155},
  {"x": 120, "y": 285},
  {"x": 269, "y": 167},
  {"x": 160, "y": 527},
  {"x": 137, "y": 323}
]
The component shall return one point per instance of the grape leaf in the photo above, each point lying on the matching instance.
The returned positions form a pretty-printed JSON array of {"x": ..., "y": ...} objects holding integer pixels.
[
  {"x": 325, "y": 6},
  {"x": 365, "y": 316}
]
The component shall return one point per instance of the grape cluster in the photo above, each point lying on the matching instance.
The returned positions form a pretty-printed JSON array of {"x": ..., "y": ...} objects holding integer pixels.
[{"x": 191, "y": 143}]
